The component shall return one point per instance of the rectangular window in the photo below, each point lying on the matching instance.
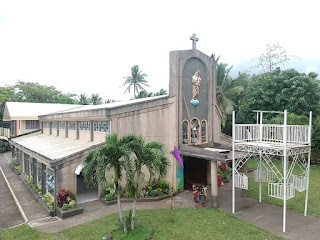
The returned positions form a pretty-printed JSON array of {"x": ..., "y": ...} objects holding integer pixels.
[
  {"x": 54, "y": 125},
  {"x": 32, "y": 124},
  {"x": 46, "y": 125},
  {"x": 50, "y": 181},
  {"x": 62, "y": 125},
  {"x": 85, "y": 126},
  {"x": 39, "y": 174},
  {"x": 101, "y": 126},
  {"x": 72, "y": 125}
]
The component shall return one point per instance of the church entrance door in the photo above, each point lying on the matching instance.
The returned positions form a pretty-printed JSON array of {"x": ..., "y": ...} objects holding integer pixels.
[{"x": 195, "y": 171}]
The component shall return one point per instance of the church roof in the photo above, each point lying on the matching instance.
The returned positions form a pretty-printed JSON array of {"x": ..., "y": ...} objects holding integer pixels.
[
  {"x": 112, "y": 105},
  {"x": 31, "y": 111},
  {"x": 52, "y": 148}
]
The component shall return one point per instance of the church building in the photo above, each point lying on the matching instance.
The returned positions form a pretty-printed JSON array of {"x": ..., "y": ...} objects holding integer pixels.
[{"x": 188, "y": 118}]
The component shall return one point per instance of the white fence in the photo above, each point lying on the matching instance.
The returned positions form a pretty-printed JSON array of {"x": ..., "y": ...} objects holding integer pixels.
[
  {"x": 241, "y": 180},
  {"x": 296, "y": 134},
  {"x": 276, "y": 190}
]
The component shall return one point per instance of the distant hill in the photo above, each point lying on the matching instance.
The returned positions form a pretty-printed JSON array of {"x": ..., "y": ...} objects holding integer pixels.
[{"x": 305, "y": 65}]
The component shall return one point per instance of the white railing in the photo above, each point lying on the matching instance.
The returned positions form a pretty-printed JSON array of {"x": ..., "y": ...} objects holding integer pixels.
[
  {"x": 264, "y": 175},
  {"x": 241, "y": 180},
  {"x": 299, "y": 182},
  {"x": 276, "y": 190},
  {"x": 5, "y": 132},
  {"x": 296, "y": 134}
]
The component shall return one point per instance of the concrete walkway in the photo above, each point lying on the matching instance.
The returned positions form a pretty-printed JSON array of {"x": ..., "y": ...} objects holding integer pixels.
[
  {"x": 263, "y": 215},
  {"x": 32, "y": 209},
  {"x": 269, "y": 217}
]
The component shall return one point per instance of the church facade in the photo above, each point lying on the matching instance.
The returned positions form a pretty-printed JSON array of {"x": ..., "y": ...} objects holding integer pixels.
[{"x": 188, "y": 118}]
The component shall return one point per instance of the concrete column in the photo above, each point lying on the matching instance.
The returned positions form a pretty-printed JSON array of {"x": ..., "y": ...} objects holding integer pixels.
[
  {"x": 57, "y": 129},
  {"x": 50, "y": 128},
  {"x": 77, "y": 129},
  {"x": 44, "y": 179},
  {"x": 91, "y": 131},
  {"x": 34, "y": 166},
  {"x": 214, "y": 184},
  {"x": 66, "y": 130}
]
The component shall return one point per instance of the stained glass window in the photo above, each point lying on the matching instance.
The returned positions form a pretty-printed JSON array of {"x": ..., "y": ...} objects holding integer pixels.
[
  {"x": 85, "y": 126},
  {"x": 39, "y": 174},
  {"x": 72, "y": 125},
  {"x": 101, "y": 126},
  {"x": 195, "y": 130},
  {"x": 204, "y": 131},
  {"x": 185, "y": 131},
  {"x": 62, "y": 125},
  {"x": 50, "y": 181}
]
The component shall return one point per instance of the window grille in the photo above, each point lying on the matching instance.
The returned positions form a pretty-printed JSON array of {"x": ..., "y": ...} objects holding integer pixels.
[
  {"x": 101, "y": 126},
  {"x": 72, "y": 125},
  {"x": 32, "y": 124},
  {"x": 62, "y": 125},
  {"x": 185, "y": 131}
]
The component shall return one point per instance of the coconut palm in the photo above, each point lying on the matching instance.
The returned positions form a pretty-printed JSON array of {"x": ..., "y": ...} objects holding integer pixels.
[
  {"x": 83, "y": 99},
  {"x": 112, "y": 156},
  {"x": 95, "y": 99},
  {"x": 136, "y": 80},
  {"x": 228, "y": 88},
  {"x": 150, "y": 155}
]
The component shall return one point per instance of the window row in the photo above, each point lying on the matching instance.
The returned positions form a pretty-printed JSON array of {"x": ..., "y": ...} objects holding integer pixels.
[
  {"x": 98, "y": 126},
  {"x": 194, "y": 131},
  {"x": 32, "y": 124}
]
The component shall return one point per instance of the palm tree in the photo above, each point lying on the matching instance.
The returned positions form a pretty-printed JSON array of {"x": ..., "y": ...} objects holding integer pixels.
[
  {"x": 136, "y": 80},
  {"x": 228, "y": 88},
  {"x": 95, "y": 99},
  {"x": 150, "y": 155},
  {"x": 83, "y": 99},
  {"x": 114, "y": 155}
]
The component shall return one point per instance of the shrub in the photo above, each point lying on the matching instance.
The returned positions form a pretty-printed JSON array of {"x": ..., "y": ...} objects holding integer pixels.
[
  {"x": 110, "y": 197},
  {"x": 48, "y": 201},
  {"x": 18, "y": 168},
  {"x": 13, "y": 162},
  {"x": 153, "y": 193},
  {"x": 63, "y": 197},
  {"x": 37, "y": 189},
  {"x": 29, "y": 180},
  {"x": 73, "y": 196},
  {"x": 159, "y": 192},
  {"x": 166, "y": 191},
  {"x": 162, "y": 184},
  {"x": 72, "y": 204},
  {"x": 65, "y": 207}
]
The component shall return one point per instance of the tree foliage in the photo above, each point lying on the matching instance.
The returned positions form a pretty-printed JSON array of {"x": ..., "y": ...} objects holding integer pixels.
[
  {"x": 279, "y": 90},
  {"x": 136, "y": 81}
]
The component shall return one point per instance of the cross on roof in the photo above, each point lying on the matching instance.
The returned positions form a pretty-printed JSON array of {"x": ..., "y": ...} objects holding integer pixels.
[{"x": 194, "y": 40}]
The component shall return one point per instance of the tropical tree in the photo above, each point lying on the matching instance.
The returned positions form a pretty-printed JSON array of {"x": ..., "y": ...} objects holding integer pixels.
[
  {"x": 228, "y": 89},
  {"x": 150, "y": 155},
  {"x": 114, "y": 155},
  {"x": 83, "y": 99},
  {"x": 135, "y": 81},
  {"x": 95, "y": 99}
]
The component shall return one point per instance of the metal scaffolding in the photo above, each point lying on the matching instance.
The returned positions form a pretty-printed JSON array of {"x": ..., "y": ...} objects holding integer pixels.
[{"x": 266, "y": 142}]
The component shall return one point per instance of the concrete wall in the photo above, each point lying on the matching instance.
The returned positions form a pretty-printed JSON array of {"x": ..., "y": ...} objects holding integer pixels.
[
  {"x": 99, "y": 136},
  {"x": 72, "y": 134},
  {"x": 46, "y": 131},
  {"x": 84, "y": 135},
  {"x": 154, "y": 124}
]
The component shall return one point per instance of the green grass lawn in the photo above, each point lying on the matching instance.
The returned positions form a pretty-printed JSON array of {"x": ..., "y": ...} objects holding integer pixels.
[
  {"x": 188, "y": 224},
  {"x": 296, "y": 203}
]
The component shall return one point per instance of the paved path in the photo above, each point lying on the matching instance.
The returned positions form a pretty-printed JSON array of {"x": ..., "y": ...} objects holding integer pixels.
[
  {"x": 269, "y": 217},
  {"x": 32, "y": 209},
  {"x": 9, "y": 213}
]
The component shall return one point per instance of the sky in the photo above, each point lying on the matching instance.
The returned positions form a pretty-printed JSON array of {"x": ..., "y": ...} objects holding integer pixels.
[{"x": 90, "y": 46}]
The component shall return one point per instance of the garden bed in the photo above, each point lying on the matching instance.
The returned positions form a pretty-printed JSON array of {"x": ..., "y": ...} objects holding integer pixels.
[
  {"x": 69, "y": 213},
  {"x": 130, "y": 200}
]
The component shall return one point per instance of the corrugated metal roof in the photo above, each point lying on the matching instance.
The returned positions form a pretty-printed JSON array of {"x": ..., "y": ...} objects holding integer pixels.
[
  {"x": 31, "y": 111},
  {"x": 52, "y": 147}
]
